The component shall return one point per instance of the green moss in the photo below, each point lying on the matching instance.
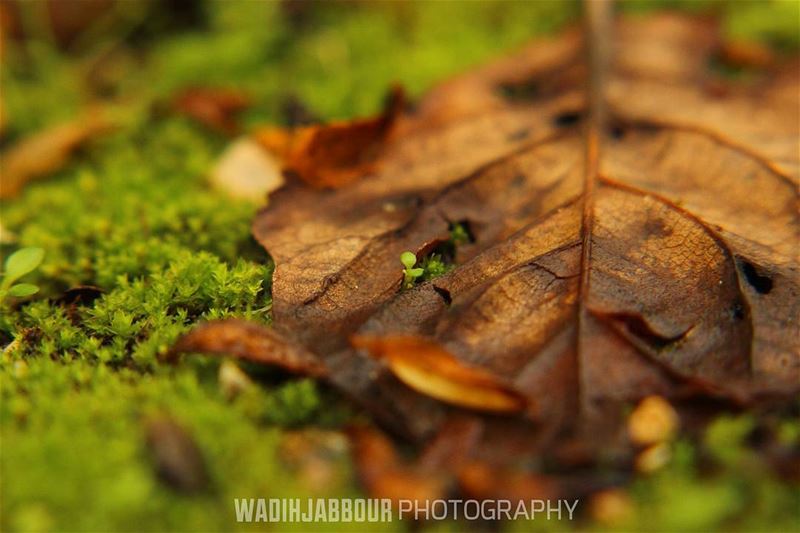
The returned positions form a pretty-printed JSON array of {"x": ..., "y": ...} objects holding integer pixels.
[
  {"x": 133, "y": 216},
  {"x": 73, "y": 444}
]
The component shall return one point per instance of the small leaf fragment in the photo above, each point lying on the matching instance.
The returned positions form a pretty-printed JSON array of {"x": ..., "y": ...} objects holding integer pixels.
[
  {"x": 252, "y": 342},
  {"x": 21, "y": 290},
  {"x": 214, "y": 107},
  {"x": 335, "y": 154},
  {"x": 428, "y": 368},
  {"x": 384, "y": 475},
  {"x": 22, "y": 262}
]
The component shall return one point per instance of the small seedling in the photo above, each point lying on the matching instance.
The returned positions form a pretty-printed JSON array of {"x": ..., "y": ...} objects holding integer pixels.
[
  {"x": 410, "y": 273},
  {"x": 459, "y": 234},
  {"x": 18, "y": 264}
]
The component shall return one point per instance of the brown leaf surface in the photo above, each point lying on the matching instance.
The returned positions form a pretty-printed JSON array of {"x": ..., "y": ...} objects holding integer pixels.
[
  {"x": 333, "y": 155},
  {"x": 429, "y": 369},
  {"x": 215, "y": 107},
  {"x": 249, "y": 341},
  {"x": 661, "y": 258},
  {"x": 385, "y": 475}
]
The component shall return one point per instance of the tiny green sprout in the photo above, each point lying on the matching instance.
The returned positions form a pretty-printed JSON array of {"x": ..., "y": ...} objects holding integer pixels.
[
  {"x": 21, "y": 262},
  {"x": 459, "y": 234},
  {"x": 410, "y": 274}
]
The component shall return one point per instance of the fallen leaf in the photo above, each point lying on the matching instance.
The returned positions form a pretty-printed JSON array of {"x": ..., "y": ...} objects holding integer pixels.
[
  {"x": 47, "y": 151},
  {"x": 482, "y": 481},
  {"x": 429, "y": 369},
  {"x": 385, "y": 475},
  {"x": 333, "y": 155},
  {"x": 247, "y": 171},
  {"x": 251, "y": 342},
  {"x": 634, "y": 240},
  {"x": 215, "y": 107}
]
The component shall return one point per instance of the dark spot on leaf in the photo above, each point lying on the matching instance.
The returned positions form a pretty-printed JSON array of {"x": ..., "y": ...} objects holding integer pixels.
[
  {"x": 617, "y": 132},
  {"x": 567, "y": 118},
  {"x": 738, "y": 310},
  {"x": 656, "y": 227},
  {"x": 521, "y": 91},
  {"x": 639, "y": 328},
  {"x": 444, "y": 293},
  {"x": 762, "y": 284},
  {"x": 519, "y": 135}
]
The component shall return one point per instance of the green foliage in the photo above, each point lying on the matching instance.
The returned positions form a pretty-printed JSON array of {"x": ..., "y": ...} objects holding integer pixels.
[
  {"x": 410, "y": 274},
  {"x": 459, "y": 234},
  {"x": 434, "y": 266},
  {"x": 776, "y": 23},
  {"x": 734, "y": 486},
  {"x": 74, "y": 436},
  {"x": 21, "y": 262}
]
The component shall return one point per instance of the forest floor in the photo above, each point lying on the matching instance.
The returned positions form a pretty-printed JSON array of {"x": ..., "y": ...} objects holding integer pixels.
[{"x": 134, "y": 216}]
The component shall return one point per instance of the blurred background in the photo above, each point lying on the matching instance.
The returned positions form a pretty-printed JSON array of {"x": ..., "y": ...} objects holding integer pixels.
[{"x": 130, "y": 104}]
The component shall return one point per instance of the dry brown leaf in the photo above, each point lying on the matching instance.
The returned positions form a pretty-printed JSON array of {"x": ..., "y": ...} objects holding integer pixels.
[
  {"x": 336, "y": 154},
  {"x": 385, "y": 475},
  {"x": 429, "y": 369},
  {"x": 214, "y": 107},
  {"x": 652, "y": 253},
  {"x": 47, "y": 151},
  {"x": 251, "y": 342}
]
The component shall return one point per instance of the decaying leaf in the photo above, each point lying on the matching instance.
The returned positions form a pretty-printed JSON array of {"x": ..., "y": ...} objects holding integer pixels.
[
  {"x": 641, "y": 240},
  {"x": 252, "y": 342},
  {"x": 385, "y": 475},
  {"x": 247, "y": 171},
  {"x": 214, "y": 107},
  {"x": 47, "y": 151},
  {"x": 427, "y": 368},
  {"x": 335, "y": 154}
]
